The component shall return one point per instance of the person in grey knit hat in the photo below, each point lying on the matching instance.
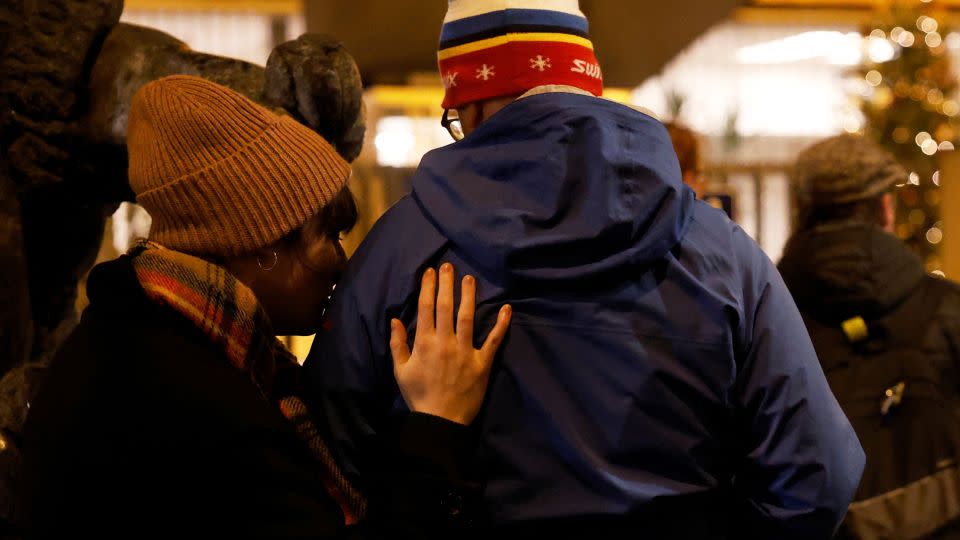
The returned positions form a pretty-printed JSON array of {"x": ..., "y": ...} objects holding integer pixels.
[
  {"x": 847, "y": 176},
  {"x": 881, "y": 328}
]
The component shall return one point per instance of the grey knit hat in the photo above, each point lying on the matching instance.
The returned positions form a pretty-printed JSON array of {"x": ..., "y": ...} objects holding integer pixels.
[{"x": 845, "y": 169}]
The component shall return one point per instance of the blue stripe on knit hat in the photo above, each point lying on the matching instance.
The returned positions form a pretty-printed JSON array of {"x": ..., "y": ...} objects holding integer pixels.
[
  {"x": 463, "y": 9},
  {"x": 483, "y": 25}
]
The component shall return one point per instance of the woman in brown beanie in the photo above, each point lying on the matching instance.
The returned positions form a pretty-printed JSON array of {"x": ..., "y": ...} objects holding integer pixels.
[{"x": 172, "y": 410}]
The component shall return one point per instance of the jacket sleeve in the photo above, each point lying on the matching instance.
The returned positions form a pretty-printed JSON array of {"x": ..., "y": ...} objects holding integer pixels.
[
  {"x": 803, "y": 460},
  {"x": 428, "y": 486}
]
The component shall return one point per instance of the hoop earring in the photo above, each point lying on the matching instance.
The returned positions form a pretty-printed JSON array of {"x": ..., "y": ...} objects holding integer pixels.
[{"x": 267, "y": 268}]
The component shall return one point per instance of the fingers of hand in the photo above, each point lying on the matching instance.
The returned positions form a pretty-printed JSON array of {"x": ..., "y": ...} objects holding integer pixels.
[
  {"x": 398, "y": 343},
  {"x": 445, "y": 301},
  {"x": 425, "y": 308},
  {"x": 495, "y": 339},
  {"x": 465, "y": 317}
]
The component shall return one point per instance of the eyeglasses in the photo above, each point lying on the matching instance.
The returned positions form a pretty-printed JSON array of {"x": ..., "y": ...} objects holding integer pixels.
[{"x": 451, "y": 122}]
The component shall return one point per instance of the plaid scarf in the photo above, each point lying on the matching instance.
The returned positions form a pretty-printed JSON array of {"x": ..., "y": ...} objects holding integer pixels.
[{"x": 228, "y": 313}]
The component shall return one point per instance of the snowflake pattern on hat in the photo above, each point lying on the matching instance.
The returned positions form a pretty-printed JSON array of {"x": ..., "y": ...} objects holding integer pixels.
[
  {"x": 540, "y": 63},
  {"x": 486, "y": 72}
]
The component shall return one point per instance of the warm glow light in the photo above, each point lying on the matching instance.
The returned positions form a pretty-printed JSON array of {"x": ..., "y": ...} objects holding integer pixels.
[
  {"x": 836, "y": 47},
  {"x": 394, "y": 141},
  {"x": 852, "y": 124},
  {"x": 901, "y": 135},
  {"x": 953, "y": 40},
  {"x": 880, "y": 50},
  {"x": 772, "y": 85},
  {"x": 933, "y": 40}
]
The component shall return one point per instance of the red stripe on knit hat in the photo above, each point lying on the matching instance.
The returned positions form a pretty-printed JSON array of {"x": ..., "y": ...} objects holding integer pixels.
[{"x": 516, "y": 67}]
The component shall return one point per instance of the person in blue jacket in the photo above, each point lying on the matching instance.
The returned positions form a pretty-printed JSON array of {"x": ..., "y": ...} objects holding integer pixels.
[{"x": 657, "y": 377}]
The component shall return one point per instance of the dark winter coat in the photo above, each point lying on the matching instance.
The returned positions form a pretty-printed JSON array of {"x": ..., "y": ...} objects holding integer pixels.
[
  {"x": 910, "y": 333},
  {"x": 144, "y": 429}
]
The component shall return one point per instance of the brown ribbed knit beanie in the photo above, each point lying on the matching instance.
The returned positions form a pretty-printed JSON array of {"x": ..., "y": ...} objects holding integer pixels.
[{"x": 220, "y": 174}]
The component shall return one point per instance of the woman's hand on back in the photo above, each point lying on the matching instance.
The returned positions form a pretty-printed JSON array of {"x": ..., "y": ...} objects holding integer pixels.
[{"x": 444, "y": 375}]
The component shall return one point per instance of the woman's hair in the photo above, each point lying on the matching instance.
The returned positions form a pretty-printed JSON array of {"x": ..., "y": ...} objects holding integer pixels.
[
  {"x": 337, "y": 217},
  {"x": 687, "y": 147}
]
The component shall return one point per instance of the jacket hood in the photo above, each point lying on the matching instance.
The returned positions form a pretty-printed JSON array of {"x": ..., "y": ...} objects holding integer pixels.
[
  {"x": 558, "y": 186},
  {"x": 844, "y": 270}
]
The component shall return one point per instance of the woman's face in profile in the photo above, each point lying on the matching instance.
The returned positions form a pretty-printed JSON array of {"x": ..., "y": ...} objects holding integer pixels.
[{"x": 297, "y": 291}]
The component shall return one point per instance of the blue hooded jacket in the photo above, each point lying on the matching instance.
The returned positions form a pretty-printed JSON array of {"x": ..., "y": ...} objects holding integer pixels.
[{"x": 654, "y": 354}]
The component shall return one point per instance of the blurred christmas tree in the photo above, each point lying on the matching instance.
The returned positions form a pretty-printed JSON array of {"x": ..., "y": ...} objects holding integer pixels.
[{"x": 908, "y": 100}]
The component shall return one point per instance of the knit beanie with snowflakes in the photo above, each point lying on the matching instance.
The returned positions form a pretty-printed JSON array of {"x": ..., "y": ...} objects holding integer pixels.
[{"x": 498, "y": 48}]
